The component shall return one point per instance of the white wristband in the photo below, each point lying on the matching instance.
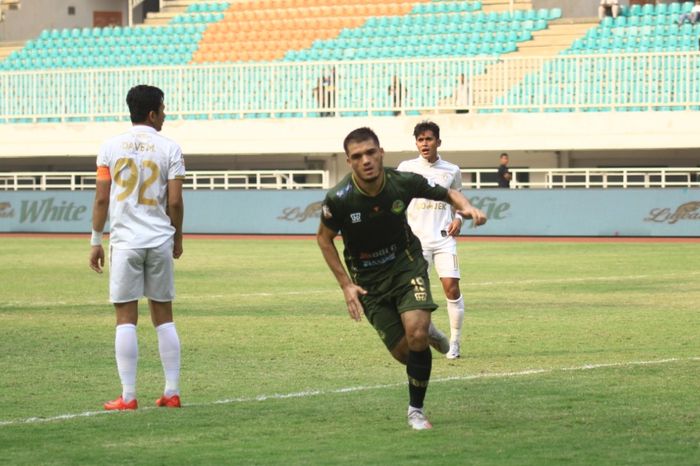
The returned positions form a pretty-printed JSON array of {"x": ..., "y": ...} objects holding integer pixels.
[
  {"x": 96, "y": 239},
  {"x": 459, "y": 216}
]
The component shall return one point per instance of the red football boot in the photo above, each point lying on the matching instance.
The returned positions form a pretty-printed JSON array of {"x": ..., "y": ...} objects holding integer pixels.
[
  {"x": 168, "y": 401},
  {"x": 120, "y": 405}
]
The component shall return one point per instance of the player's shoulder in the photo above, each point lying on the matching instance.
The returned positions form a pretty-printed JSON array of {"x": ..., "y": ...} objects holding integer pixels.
[
  {"x": 448, "y": 165},
  {"x": 407, "y": 165},
  {"x": 341, "y": 190},
  {"x": 163, "y": 143},
  {"x": 394, "y": 174}
]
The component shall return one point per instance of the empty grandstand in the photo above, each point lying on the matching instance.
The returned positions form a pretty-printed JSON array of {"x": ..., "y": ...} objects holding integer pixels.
[{"x": 260, "y": 93}]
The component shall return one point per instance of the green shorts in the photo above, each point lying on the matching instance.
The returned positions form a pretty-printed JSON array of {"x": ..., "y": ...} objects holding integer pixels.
[{"x": 385, "y": 300}]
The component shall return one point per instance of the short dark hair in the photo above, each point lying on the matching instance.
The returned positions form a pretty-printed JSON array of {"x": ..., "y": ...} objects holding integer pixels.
[
  {"x": 424, "y": 126},
  {"x": 360, "y": 135},
  {"x": 504, "y": 154},
  {"x": 143, "y": 99}
]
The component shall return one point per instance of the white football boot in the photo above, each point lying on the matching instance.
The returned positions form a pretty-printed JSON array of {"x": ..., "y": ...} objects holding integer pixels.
[
  {"x": 453, "y": 353},
  {"x": 437, "y": 339},
  {"x": 417, "y": 419}
]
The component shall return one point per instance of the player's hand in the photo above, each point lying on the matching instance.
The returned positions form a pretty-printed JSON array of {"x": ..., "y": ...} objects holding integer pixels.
[
  {"x": 352, "y": 294},
  {"x": 177, "y": 248},
  {"x": 454, "y": 227},
  {"x": 477, "y": 216},
  {"x": 97, "y": 258}
]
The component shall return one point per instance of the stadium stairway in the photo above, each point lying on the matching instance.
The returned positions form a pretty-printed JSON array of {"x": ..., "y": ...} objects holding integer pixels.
[
  {"x": 170, "y": 9},
  {"x": 645, "y": 29},
  {"x": 560, "y": 35}
]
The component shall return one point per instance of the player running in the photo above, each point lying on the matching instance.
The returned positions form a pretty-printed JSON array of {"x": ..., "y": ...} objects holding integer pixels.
[
  {"x": 139, "y": 182},
  {"x": 387, "y": 276},
  {"x": 436, "y": 225}
]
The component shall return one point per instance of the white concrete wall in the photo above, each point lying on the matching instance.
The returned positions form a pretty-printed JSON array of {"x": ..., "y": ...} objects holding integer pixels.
[
  {"x": 37, "y": 15},
  {"x": 471, "y": 141},
  {"x": 461, "y": 133}
]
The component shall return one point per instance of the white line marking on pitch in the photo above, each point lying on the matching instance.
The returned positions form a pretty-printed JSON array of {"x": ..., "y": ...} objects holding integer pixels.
[
  {"x": 308, "y": 393},
  {"x": 192, "y": 297}
]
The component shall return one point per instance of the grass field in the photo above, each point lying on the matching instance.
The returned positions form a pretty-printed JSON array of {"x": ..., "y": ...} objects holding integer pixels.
[{"x": 573, "y": 353}]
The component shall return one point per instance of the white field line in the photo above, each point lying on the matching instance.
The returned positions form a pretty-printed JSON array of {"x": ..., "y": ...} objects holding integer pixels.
[
  {"x": 434, "y": 285},
  {"x": 360, "y": 388}
]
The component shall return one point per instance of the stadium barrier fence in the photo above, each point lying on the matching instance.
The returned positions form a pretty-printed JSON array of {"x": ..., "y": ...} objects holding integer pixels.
[
  {"x": 523, "y": 178},
  {"x": 566, "y": 83}
]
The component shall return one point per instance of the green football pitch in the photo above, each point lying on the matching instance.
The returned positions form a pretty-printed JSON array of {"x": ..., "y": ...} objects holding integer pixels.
[{"x": 573, "y": 353}]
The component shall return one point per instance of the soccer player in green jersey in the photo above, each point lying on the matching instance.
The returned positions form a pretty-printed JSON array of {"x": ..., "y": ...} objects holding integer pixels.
[{"x": 387, "y": 276}]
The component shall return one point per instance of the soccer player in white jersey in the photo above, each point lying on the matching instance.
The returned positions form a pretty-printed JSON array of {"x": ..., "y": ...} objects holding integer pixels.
[
  {"x": 435, "y": 224},
  {"x": 139, "y": 183}
]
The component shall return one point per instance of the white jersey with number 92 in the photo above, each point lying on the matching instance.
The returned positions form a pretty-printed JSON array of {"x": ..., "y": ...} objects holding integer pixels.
[{"x": 140, "y": 163}]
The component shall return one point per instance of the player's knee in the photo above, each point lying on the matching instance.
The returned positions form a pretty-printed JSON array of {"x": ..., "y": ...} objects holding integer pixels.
[
  {"x": 417, "y": 338},
  {"x": 453, "y": 292}
]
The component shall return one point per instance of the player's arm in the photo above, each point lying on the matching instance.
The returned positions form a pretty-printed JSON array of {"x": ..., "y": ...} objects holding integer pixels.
[
  {"x": 176, "y": 212},
  {"x": 325, "y": 237},
  {"x": 463, "y": 207},
  {"x": 456, "y": 225},
  {"x": 100, "y": 210}
]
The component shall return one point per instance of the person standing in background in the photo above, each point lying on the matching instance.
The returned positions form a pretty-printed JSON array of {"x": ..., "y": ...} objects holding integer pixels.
[{"x": 504, "y": 175}]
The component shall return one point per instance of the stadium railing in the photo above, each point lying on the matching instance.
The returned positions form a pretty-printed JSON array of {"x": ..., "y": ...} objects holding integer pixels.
[
  {"x": 196, "y": 180},
  {"x": 613, "y": 82},
  {"x": 523, "y": 178},
  {"x": 587, "y": 178}
]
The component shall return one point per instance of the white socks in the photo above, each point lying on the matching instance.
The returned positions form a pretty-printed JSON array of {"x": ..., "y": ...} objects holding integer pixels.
[
  {"x": 126, "y": 348},
  {"x": 455, "y": 311},
  {"x": 169, "y": 347}
]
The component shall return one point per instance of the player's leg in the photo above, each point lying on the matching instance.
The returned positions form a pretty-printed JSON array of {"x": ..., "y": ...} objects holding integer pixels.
[
  {"x": 415, "y": 304},
  {"x": 418, "y": 365},
  {"x": 447, "y": 267},
  {"x": 160, "y": 290},
  {"x": 125, "y": 288}
]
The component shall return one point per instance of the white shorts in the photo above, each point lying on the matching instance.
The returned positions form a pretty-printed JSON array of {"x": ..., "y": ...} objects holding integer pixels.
[
  {"x": 445, "y": 260},
  {"x": 135, "y": 273}
]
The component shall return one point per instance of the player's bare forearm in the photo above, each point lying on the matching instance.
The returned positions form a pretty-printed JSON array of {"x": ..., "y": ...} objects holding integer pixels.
[
  {"x": 100, "y": 208},
  {"x": 351, "y": 291},
  {"x": 176, "y": 213},
  {"x": 324, "y": 237}
]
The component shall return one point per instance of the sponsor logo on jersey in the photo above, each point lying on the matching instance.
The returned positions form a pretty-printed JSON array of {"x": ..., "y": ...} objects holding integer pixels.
[
  {"x": 356, "y": 217},
  {"x": 687, "y": 211},
  {"x": 6, "y": 210},
  {"x": 398, "y": 206},
  {"x": 379, "y": 257}
]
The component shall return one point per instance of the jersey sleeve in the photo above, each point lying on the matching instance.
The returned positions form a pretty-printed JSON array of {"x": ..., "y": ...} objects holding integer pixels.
[
  {"x": 457, "y": 180},
  {"x": 176, "y": 170},
  {"x": 330, "y": 214},
  {"x": 102, "y": 158}
]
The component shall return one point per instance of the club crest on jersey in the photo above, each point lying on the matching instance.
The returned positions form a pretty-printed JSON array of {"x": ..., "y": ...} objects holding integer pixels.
[
  {"x": 326, "y": 212},
  {"x": 355, "y": 217},
  {"x": 398, "y": 206}
]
